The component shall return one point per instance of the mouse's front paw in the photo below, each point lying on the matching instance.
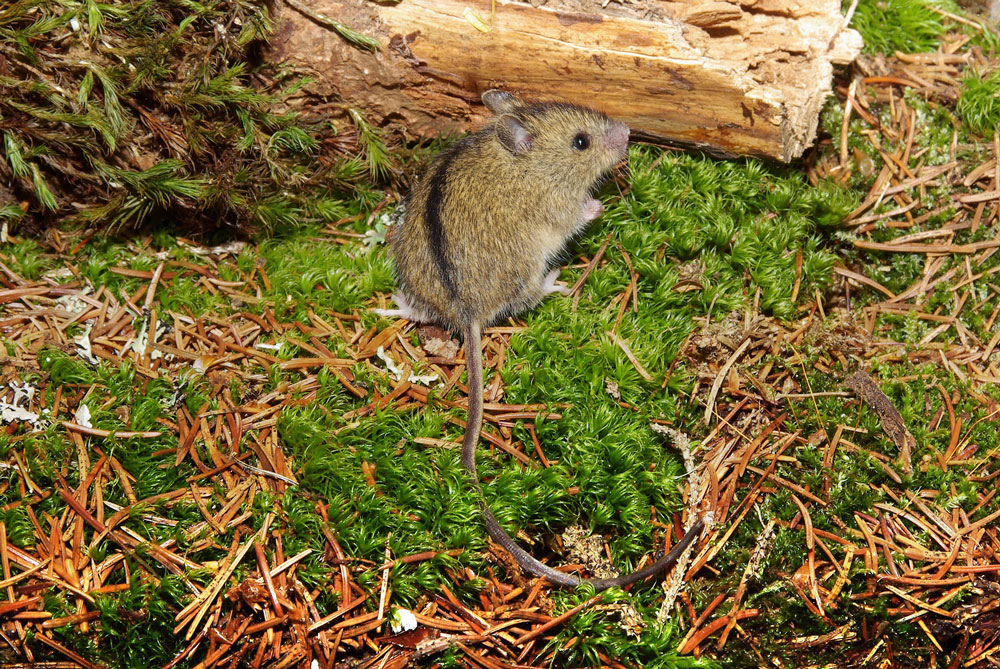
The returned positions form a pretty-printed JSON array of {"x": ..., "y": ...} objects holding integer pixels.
[{"x": 592, "y": 209}]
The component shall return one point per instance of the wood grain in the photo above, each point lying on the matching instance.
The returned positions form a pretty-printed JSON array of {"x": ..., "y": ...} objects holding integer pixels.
[{"x": 729, "y": 78}]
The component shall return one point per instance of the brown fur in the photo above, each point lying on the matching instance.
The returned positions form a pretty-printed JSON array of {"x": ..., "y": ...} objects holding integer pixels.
[{"x": 505, "y": 217}]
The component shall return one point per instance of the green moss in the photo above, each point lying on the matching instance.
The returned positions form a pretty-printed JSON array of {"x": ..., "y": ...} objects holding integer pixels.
[
  {"x": 979, "y": 104},
  {"x": 909, "y": 26},
  {"x": 597, "y": 633},
  {"x": 137, "y": 623},
  {"x": 172, "y": 118},
  {"x": 743, "y": 222},
  {"x": 321, "y": 276}
]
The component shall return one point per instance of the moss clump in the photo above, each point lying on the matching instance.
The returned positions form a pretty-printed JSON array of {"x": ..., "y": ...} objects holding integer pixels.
[
  {"x": 909, "y": 26},
  {"x": 114, "y": 115},
  {"x": 979, "y": 104},
  {"x": 743, "y": 223}
]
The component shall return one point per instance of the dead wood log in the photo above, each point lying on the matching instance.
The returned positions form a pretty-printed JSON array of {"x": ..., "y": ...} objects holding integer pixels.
[{"x": 733, "y": 78}]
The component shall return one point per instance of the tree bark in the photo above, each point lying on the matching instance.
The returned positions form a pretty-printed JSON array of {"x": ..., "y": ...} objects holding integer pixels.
[{"x": 732, "y": 78}]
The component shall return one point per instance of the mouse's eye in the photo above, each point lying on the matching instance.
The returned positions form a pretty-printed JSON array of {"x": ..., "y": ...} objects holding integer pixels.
[{"x": 581, "y": 142}]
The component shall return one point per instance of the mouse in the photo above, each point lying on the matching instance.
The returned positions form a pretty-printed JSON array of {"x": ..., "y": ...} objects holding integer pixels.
[{"x": 478, "y": 238}]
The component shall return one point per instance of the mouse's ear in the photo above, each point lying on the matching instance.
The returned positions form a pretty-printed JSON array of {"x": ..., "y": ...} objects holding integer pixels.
[
  {"x": 500, "y": 102},
  {"x": 513, "y": 135}
]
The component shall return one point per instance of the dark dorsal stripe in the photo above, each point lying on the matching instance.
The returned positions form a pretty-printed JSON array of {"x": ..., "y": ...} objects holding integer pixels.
[{"x": 435, "y": 228}]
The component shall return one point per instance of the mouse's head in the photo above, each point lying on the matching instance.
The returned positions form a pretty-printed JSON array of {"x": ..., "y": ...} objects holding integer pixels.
[{"x": 572, "y": 143}]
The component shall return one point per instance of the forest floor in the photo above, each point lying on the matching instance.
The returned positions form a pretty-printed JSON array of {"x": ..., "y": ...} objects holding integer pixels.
[{"x": 216, "y": 455}]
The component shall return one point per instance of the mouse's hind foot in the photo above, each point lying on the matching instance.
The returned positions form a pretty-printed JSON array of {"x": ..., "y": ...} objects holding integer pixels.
[
  {"x": 549, "y": 284},
  {"x": 404, "y": 310}
]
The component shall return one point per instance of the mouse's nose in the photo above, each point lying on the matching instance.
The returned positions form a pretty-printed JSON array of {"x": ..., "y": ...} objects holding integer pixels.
[{"x": 618, "y": 135}]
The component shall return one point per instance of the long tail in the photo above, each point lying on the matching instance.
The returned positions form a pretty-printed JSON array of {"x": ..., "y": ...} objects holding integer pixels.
[{"x": 474, "y": 367}]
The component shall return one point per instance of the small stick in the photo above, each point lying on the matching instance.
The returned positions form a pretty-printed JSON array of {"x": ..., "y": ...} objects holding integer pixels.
[
  {"x": 631, "y": 356},
  {"x": 385, "y": 580},
  {"x": 558, "y": 620},
  {"x": 265, "y": 571},
  {"x": 94, "y": 432},
  {"x": 713, "y": 627},
  {"x": 720, "y": 378}
]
